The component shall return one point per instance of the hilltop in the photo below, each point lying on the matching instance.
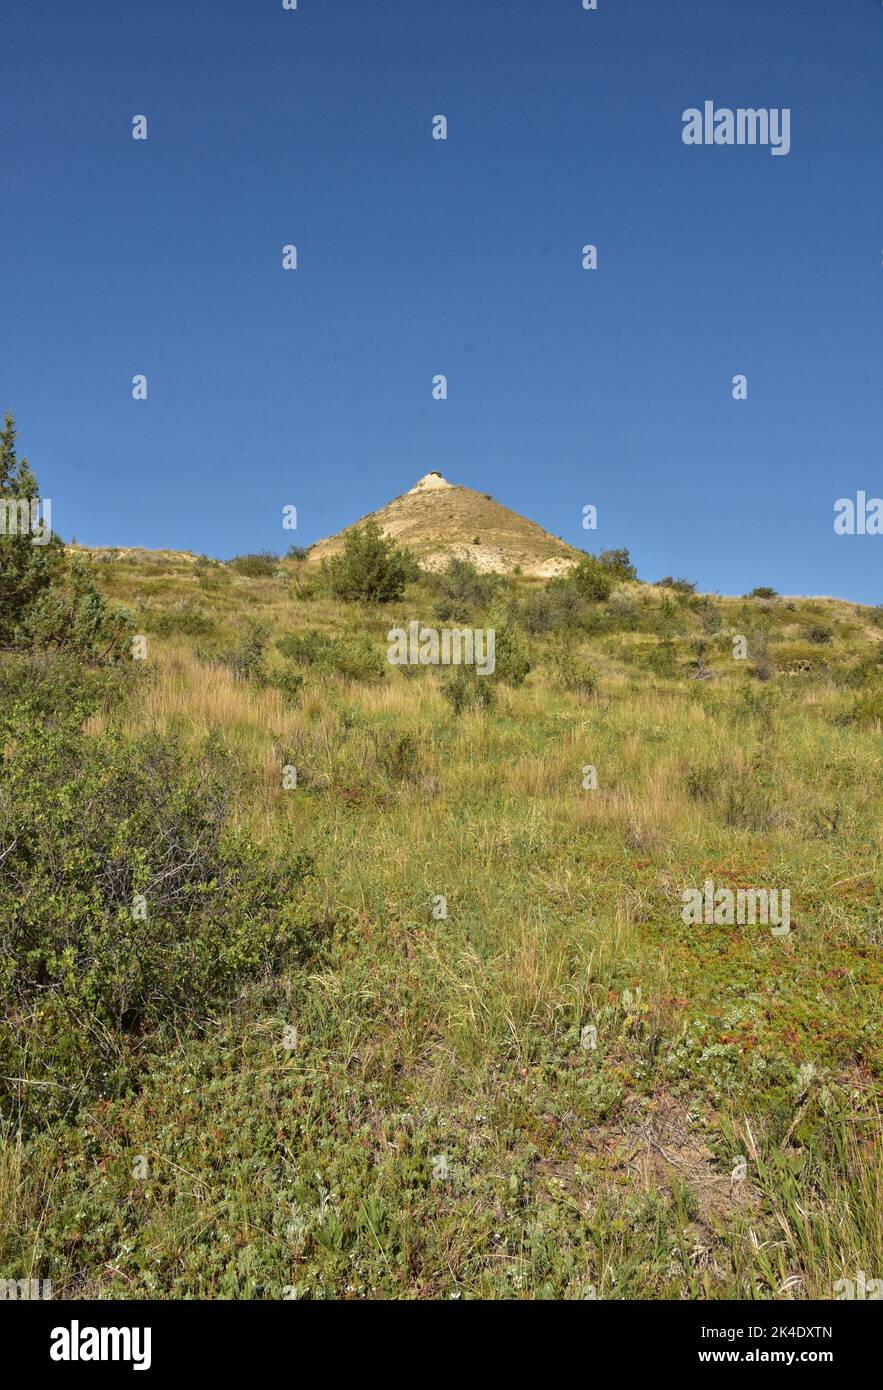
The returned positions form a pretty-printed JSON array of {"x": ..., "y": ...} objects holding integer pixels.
[{"x": 440, "y": 521}]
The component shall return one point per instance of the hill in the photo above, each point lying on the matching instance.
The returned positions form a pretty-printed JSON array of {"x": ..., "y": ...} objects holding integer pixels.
[
  {"x": 472, "y": 1048},
  {"x": 439, "y": 521}
]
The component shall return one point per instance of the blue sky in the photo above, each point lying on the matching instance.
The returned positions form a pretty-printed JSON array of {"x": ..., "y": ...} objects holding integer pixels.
[{"x": 566, "y": 387}]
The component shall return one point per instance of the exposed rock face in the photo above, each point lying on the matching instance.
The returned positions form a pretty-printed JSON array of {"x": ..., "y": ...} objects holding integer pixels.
[
  {"x": 440, "y": 521},
  {"x": 428, "y": 482}
]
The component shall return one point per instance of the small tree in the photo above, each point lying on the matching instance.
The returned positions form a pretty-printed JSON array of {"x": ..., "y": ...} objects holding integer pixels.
[
  {"x": 27, "y": 568},
  {"x": 591, "y": 579},
  {"x": 512, "y": 662},
  {"x": 371, "y": 567},
  {"x": 461, "y": 588},
  {"x": 618, "y": 564},
  {"x": 73, "y": 616},
  {"x": 46, "y": 601}
]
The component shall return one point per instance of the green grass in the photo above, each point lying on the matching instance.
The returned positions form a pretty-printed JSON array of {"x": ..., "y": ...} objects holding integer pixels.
[{"x": 444, "y": 1126}]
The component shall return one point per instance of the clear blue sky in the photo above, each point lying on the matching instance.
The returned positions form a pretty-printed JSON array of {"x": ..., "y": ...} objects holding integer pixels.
[{"x": 417, "y": 256}]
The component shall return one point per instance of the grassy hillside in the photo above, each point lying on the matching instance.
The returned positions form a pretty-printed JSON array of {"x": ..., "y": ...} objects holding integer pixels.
[{"x": 551, "y": 1090}]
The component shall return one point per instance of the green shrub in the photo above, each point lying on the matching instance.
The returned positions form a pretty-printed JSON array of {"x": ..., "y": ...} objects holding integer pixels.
[
  {"x": 90, "y": 972},
  {"x": 370, "y": 567},
  {"x": 468, "y": 690},
  {"x": 867, "y": 672},
  {"x": 662, "y": 659},
  {"x": 461, "y": 588},
  {"x": 262, "y": 565},
  {"x": 538, "y": 612},
  {"x": 763, "y": 591},
  {"x": 291, "y": 684},
  {"x": 558, "y": 607},
  {"x": 570, "y": 601},
  {"x": 185, "y": 616},
  {"x": 763, "y": 668},
  {"x": 708, "y": 614},
  {"x": 680, "y": 586},
  {"x": 73, "y": 616},
  {"x": 39, "y": 684},
  {"x": 701, "y": 782},
  {"x": 511, "y": 660},
  {"x": 618, "y": 564},
  {"x": 622, "y": 613},
  {"x": 868, "y": 708},
  {"x": 398, "y": 756},
  {"x": 355, "y": 658},
  {"x": 211, "y": 574},
  {"x": 573, "y": 675},
  {"x": 820, "y": 634},
  {"x": 590, "y": 579},
  {"x": 246, "y": 660},
  {"x": 26, "y": 569}
]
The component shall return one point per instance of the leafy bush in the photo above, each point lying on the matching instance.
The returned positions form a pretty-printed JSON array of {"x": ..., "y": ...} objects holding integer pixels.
[
  {"x": 680, "y": 586},
  {"x": 569, "y": 600},
  {"x": 618, "y": 564},
  {"x": 246, "y": 660},
  {"x": 356, "y": 658},
  {"x": 461, "y": 588},
  {"x": 370, "y": 567},
  {"x": 90, "y": 972},
  {"x": 763, "y": 667},
  {"x": 26, "y": 569},
  {"x": 574, "y": 676},
  {"x": 468, "y": 690},
  {"x": 47, "y": 601},
  {"x": 73, "y": 616},
  {"x": 868, "y": 708},
  {"x": 211, "y": 574},
  {"x": 820, "y": 634},
  {"x": 662, "y": 660},
  {"x": 623, "y": 612},
  {"x": 290, "y": 683},
  {"x": 591, "y": 579},
  {"x": 867, "y": 672},
  {"x": 41, "y": 683},
  {"x": 538, "y": 612},
  {"x": 560, "y": 606},
  {"x": 511, "y": 660},
  {"x": 398, "y": 756},
  {"x": 763, "y": 591},
  {"x": 262, "y": 565},
  {"x": 708, "y": 614},
  {"x": 184, "y": 617}
]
